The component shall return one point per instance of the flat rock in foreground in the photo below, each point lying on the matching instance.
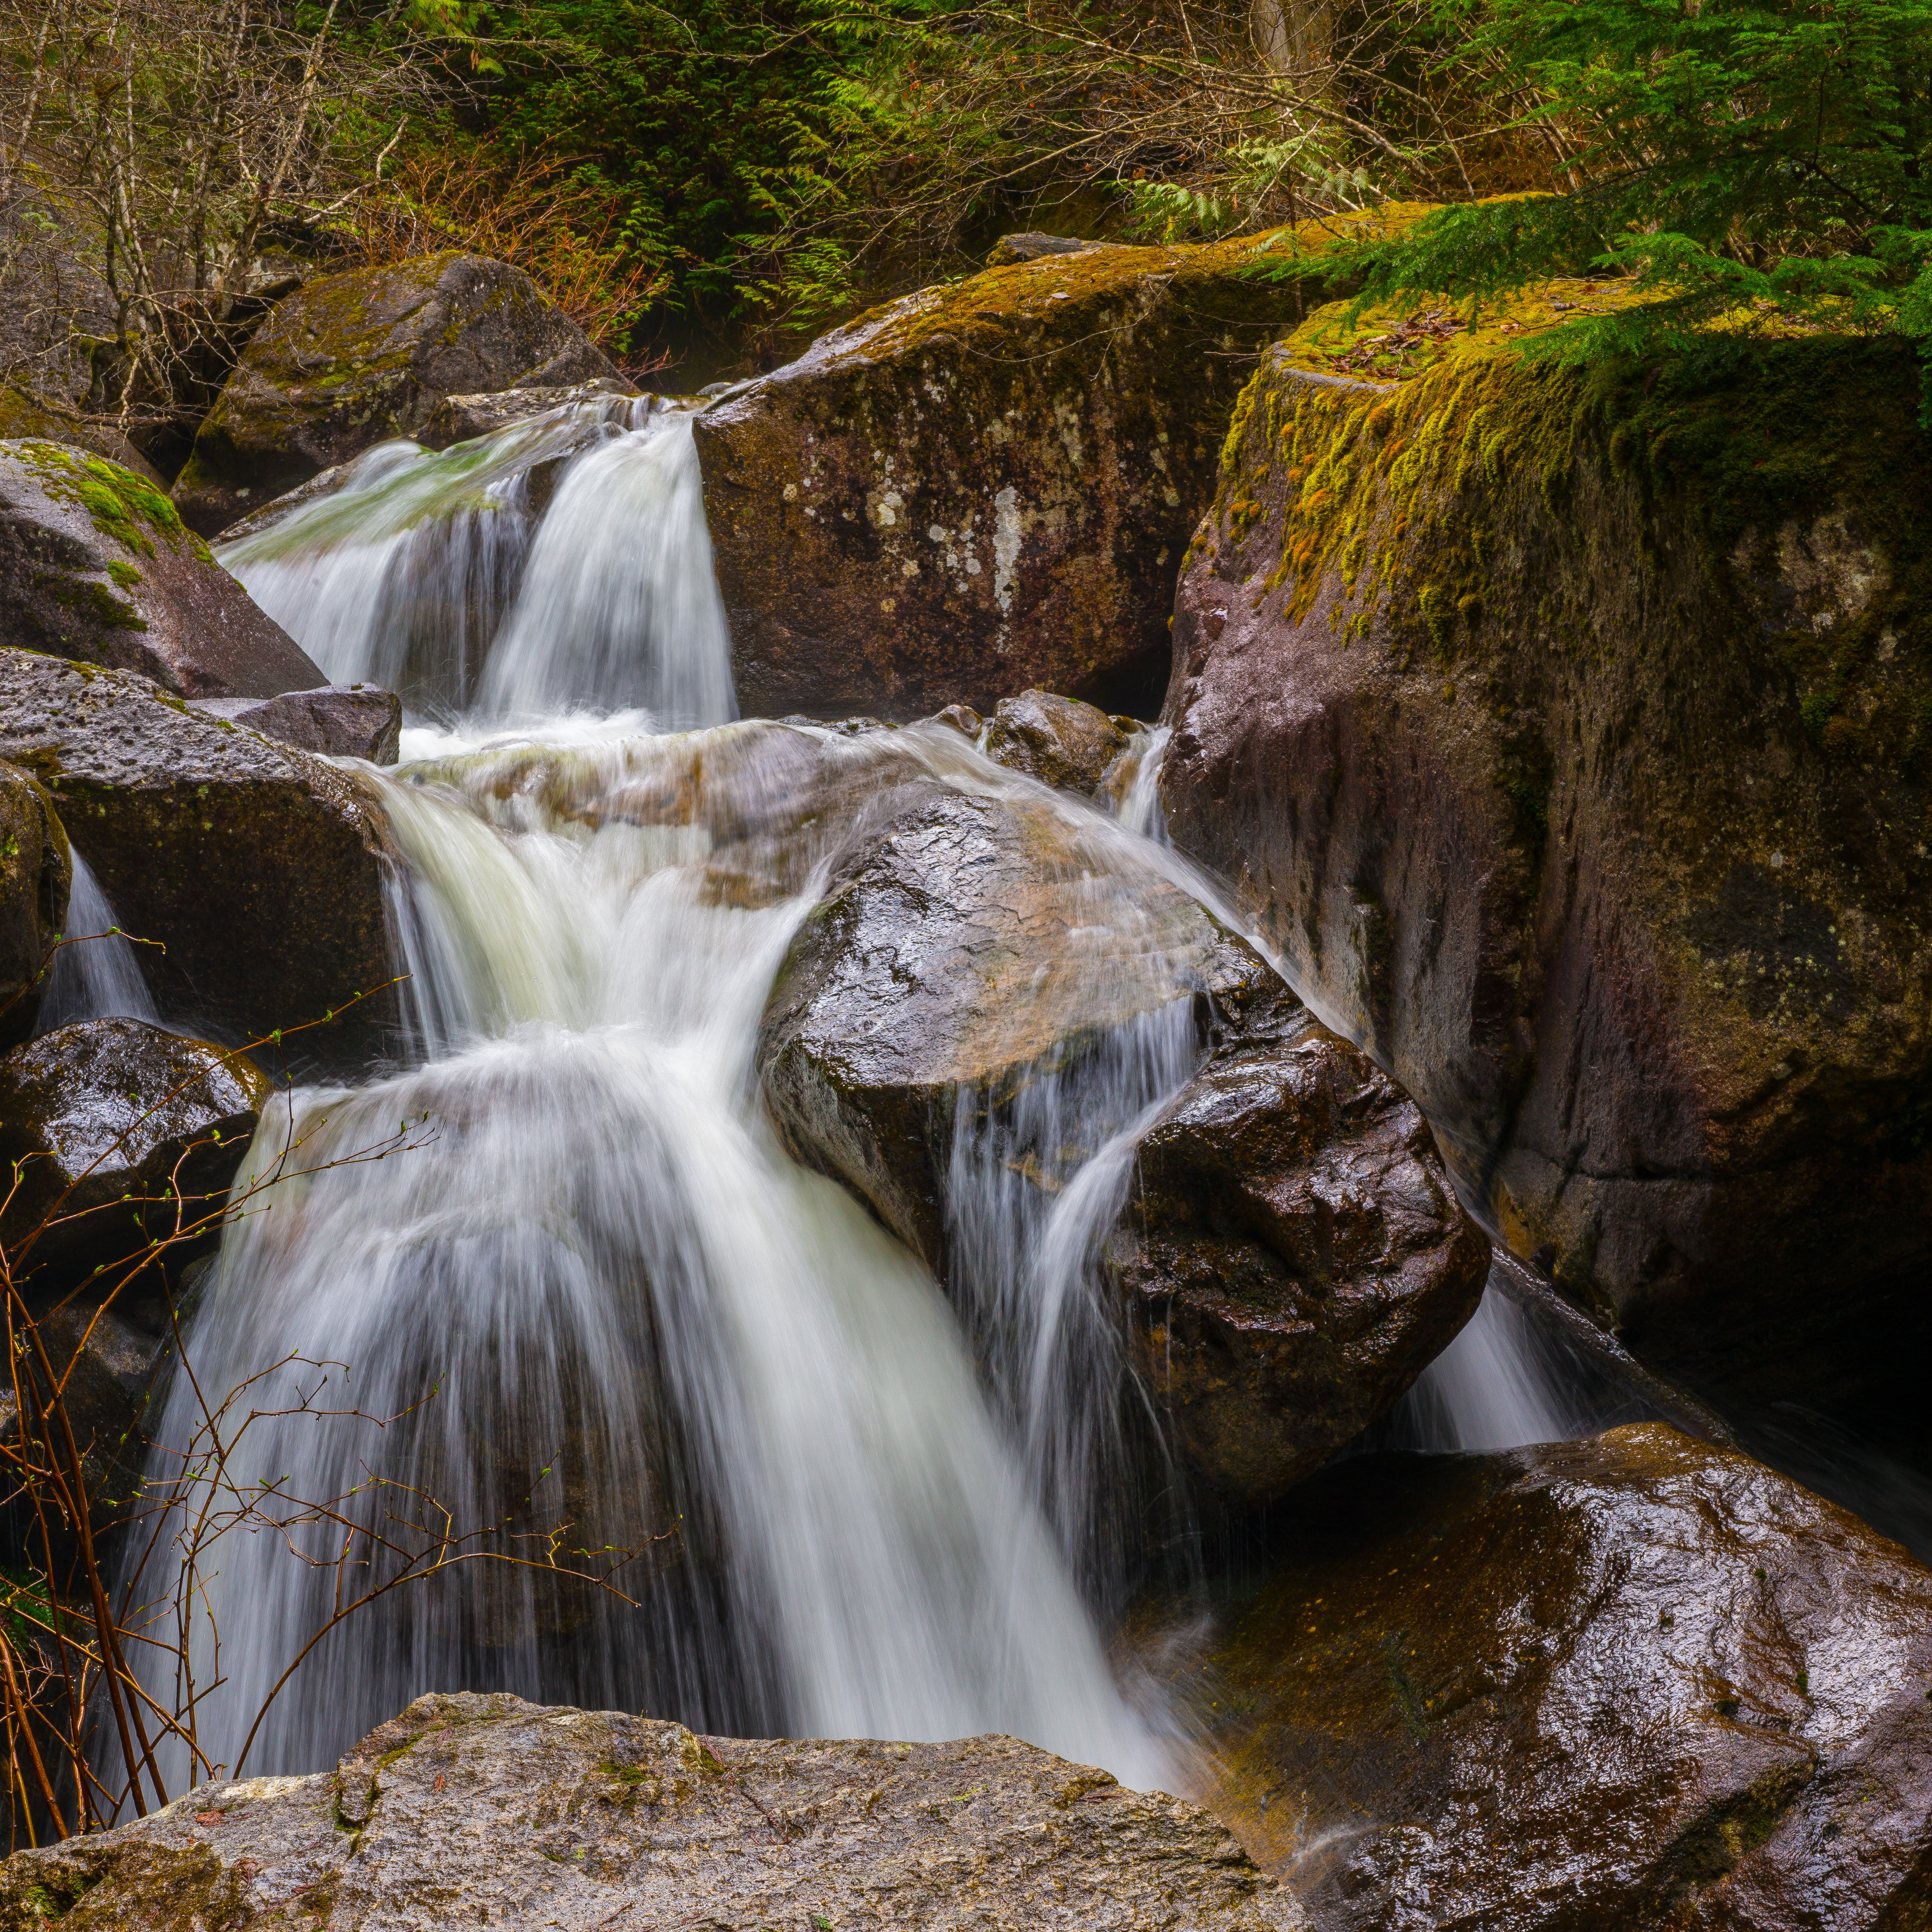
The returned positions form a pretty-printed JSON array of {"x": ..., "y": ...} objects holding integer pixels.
[{"x": 470, "y": 1810}]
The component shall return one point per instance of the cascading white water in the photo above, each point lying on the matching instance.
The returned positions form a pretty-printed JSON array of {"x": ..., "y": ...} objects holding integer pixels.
[{"x": 95, "y": 975}]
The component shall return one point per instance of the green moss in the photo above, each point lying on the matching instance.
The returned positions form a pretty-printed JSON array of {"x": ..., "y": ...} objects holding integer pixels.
[
  {"x": 121, "y": 504},
  {"x": 123, "y": 572}
]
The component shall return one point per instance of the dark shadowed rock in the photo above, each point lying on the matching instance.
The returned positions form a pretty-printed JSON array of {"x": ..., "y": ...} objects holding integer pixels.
[
  {"x": 341, "y": 720},
  {"x": 1634, "y": 1681},
  {"x": 986, "y": 486},
  {"x": 1292, "y": 1256},
  {"x": 1567, "y": 740},
  {"x": 104, "y": 1120},
  {"x": 1031, "y": 245},
  {"x": 95, "y": 565},
  {"x": 1058, "y": 740},
  {"x": 259, "y": 868},
  {"x": 476, "y": 1809},
  {"x": 36, "y": 870},
  {"x": 353, "y": 360}
]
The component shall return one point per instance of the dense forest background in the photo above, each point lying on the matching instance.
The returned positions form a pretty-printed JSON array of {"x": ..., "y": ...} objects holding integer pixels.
[{"x": 705, "y": 183}]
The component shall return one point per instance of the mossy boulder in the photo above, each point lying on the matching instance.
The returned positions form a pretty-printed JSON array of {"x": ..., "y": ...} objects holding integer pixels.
[
  {"x": 1569, "y": 732},
  {"x": 25, "y": 415},
  {"x": 1634, "y": 1681},
  {"x": 113, "y": 1133},
  {"x": 989, "y": 486},
  {"x": 95, "y": 565},
  {"x": 36, "y": 872},
  {"x": 258, "y": 868},
  {"x": 470, "y": 1809},
  {"x": 353, "y": 360},
  {"x": 1292, "y": 1255}
]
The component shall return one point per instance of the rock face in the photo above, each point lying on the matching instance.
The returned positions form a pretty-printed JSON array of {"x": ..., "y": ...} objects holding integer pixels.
[
  {"x": 469, "y": 1809},
  {"x": 353, "y": 360},
  {"x": 1292, "y": 1256},
  {"x": 95, "y": 565},
  {"x": 1632, "y": 1681},
  {"x": 104, "y": 1120},
  {"x": 1570, "y": 740},
  {"x": 341, "y": 720},
  {"x": 36, "y": 870},
  {"x": 260, "y": 868},
  {"x": 985, "y": 487}
]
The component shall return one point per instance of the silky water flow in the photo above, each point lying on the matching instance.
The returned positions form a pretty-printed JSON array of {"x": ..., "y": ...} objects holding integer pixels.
[{"x": 559, "y": 1271}]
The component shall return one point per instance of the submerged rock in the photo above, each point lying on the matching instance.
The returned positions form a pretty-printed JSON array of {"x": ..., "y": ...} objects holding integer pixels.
[
  {"x": 1292, "y": 1255},
  {"x": 95, "y": 565},
  {"x": 259, "y": 868},
  {"x": 1569, "y": 740},
  {"x": 1058, "y": 740},
  {"x": 471, "y": 1809},
  {"x": 36, "y": 871},
  {"x": 341, "y": 720},
  {"x": 1636, "y": 1681},
  {"x": 120, "y": 1132},
  {"x": 353, "y": 360},
  {"x": 987, "y": 487}
]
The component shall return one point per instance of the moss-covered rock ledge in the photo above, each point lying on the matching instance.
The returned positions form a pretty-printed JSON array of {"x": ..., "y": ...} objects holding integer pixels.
[
  {"x": 988, "y": 485},
  {"x": 1570, "y": 733}
]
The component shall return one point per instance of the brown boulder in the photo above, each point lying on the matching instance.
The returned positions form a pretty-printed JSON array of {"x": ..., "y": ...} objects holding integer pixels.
[
  {"x": 259, "y": 868},
  {"x": 1059, "y": 741},
  {"x": 95, "y": 565},
  {"x": 1292, "y": 1256},
  {"x": 1634, "y": 1681},
  {"x": 36, "y": 870},
  {"x": 353, "y": 360},
  {"x": 121, "y": 1133},
  {"x": 988, "y": 486},
  {"x": 474, "y": 1810},
  {"x": 1565, "y": 735}
]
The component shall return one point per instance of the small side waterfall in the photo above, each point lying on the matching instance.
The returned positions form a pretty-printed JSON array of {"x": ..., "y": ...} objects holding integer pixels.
[{"x": 95, "y": 975}]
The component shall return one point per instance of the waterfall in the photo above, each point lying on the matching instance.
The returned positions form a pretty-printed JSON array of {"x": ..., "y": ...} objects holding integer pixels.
[
  {"x": 561, "y": 563},
  {"x": 95, "y": 975}
]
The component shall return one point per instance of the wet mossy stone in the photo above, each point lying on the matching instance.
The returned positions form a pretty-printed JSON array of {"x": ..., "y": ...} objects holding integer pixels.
[
  {"x": 988, "y": 486},
  {"x": 469, "y": 1809},
  {"x": 353, "y": 360},
  {"x": 259, "y": 869},
  {"x": 1569, "y": 731},
  {"x": 96, "y": 565},
  {"x": 36, "y": 872},
  {"x": 1634, "y": 1681},
  {"x": 111, "y": 1126}
]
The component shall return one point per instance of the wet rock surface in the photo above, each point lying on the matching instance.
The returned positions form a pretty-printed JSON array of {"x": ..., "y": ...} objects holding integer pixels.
[
  {"x": 36, "y": 870},
  {"x": 1508, "y": 706},
  {"x": 1291, "y": 1256},
  {"x": 353, "y": 360},
  {"x": 341, "y": 720},
  {"x": 1058, "y": 740},
  {"x": 96, "y": 566},
  {"x": 259, "y": 868},
  {"x": 986, "y": 487},
  {"x": 1634, "y": 1680},
  {"x": 117, "y": 1128},
  {"x": 461, "y": 418},
  {"x": 470, "y": 1809}
]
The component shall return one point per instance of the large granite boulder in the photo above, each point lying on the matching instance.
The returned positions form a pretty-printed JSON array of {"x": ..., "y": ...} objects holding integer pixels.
[
  {"x": 353, "y": 360},
  {"x": 259, "y": 868},
  {"x": 1632, "y": 1681},
  {"x": 95, "y": 565},
  {"x": 1291, "y": 1256},
  {"x": 121, "y": 1134},
  {"x": 1568, "y": 736},
  {"x": 470, "y": 1810},
  {"x": 989, "y": 486},
  {"x": 36, "y": 870}
]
